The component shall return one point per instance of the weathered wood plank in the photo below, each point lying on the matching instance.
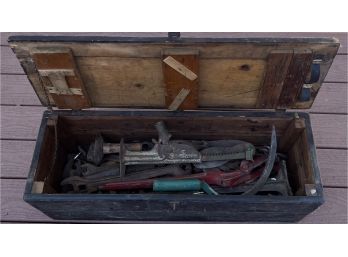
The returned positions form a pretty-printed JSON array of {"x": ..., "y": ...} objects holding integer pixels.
[
  {"x": 15, "y": 209},
  {"x": 276, "y": 71},
  {"x": 5, "y": 35},
  {"x": 180, "y": 72},
  {"x": 333, "y": 167},
  {"x": 338, "y": 70},
  {"x": 334, "y": 210},
  {"x": 16, "y": 89},
  {"x": 20, "y": 122},
  {"x": 16, "y": 158},
  {"x": 332, "y": 98},
  {"x": 298, "y": 69},
  {"x": 9, "y": 62},
  {"x": 342, "y": 37},
  {"x": 329, "y": 130},
  {"x": 50, "y": 64}
]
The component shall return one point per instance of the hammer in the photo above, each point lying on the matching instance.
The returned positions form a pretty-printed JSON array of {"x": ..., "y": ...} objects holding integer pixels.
[{"x": 98, "y": 148}]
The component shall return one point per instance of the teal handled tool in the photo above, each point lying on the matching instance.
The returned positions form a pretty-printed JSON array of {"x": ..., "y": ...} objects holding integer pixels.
[{"x": 179, "y": 185}]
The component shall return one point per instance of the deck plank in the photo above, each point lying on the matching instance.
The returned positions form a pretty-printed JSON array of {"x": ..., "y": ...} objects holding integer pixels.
[
  {"x": 334, "y": 210},
  {"x": 19, "y": 122},
  {"x": 332, "y": 98},
  {"x": 333, "y": 167},
  {"x": 329, "y": 130},
  {"x": 14, "y": 208},
  {"x": 338, "y": 70},
  {"x": 17, "y": 90},
  {"x": 342, "y": 37},
  {"x": 16, "y": 158}
]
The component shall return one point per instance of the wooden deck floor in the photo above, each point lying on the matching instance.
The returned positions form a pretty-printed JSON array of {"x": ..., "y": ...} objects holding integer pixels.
[{"x": 21, "y": 114}]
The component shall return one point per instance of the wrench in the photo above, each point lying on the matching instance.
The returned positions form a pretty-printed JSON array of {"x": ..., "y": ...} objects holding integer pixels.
[{"x": 90, "y": 183}]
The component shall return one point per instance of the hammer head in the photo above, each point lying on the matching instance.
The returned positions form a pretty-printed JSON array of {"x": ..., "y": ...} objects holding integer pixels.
[{"x": 95, "y": 152}]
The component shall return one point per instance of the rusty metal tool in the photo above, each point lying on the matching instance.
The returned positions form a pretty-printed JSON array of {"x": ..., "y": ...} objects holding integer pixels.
[
  {"x": 211, "y": 176},
  {"x": 168, "y": 151},
  {"x": 98, "y": 148},
  {"x": 163, "y": 152},
  {"x": 278, "y": 184},
  {"x": 217, "y": 177},
  {"x": 110, "y": 174},
  {"x": 268, "y": 167}
]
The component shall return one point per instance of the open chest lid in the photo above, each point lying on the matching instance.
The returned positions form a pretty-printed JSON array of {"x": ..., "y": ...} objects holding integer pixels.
[{"x": 173, "y": 72}]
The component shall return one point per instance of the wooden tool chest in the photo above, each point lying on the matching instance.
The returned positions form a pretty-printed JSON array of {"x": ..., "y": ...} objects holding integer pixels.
[{"x": 202, "y": 88}]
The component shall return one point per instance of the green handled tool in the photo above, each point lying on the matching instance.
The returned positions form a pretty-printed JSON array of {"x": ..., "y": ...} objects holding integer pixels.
[{"x": 170, "y": 185}]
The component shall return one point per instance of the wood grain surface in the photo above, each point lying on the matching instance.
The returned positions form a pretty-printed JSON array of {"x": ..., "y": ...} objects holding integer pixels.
[
  {"x": 342, "y": 37},
  {"x": 14, "y": 208},
  {"x": 20, "y": 122}
]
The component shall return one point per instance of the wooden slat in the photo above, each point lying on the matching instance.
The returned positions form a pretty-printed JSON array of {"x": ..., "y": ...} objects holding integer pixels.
[
  {"x": 13, "y": 207},
  {"x": 16, "y": 90},
  {"x": 334, "y": 210},
  {"x": 329, "y": 130},
  {"x": 296, "y": 74},
  {"x": 332, "y": 98},
  {"x": 276, "y": 70},
  {"x": 342, "y": 37},
  {"x": 337, "y": 72},
  {"x": 180, "y": 72},
  {"x": 48, "y": 60},
  {"x": 333, "y": 167},
  {"x": 16, "y": 158},
  {"x": 5, "y": 35},
  {"x": 20, "y": 122}
]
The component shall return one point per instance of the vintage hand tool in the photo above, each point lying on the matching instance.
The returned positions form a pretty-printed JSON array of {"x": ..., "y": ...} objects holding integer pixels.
[
  {"x": 212, "y": 177},
  {"x": 278, "y": 184},
  {"x": 168, "y": 151},
  {"x": 215, "y": 176},
  {"x": 112, "y": 174},
  {"x": 174, "y": 185},
  {"x": 98, "y": 148},
  {"x": 268, "y": 167},
  {"x": 163, "y": 152}
]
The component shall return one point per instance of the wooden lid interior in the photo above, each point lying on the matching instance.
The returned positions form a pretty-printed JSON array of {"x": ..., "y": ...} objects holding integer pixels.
[{"x": 261, "y": 73}]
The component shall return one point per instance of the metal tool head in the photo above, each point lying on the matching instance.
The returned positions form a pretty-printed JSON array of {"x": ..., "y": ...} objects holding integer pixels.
[
  {"x": 163, "y": 134},
  {"x": 95, "y": 152},
  {"x": 268, "y": 167}
]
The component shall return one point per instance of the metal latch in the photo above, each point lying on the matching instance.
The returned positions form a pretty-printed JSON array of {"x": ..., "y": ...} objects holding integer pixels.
[{"x": 58, "y": 81}]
